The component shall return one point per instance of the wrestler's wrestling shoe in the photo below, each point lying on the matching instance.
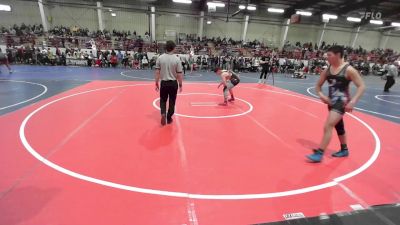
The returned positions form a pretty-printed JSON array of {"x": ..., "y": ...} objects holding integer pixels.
[
  {"x": 163, "y": 120},
  {"x": 341, "y": 153},
  {"x": 225, "y": 103},
  {"x": 170, "y": 120},
  {"x": 317, "y": 156}
]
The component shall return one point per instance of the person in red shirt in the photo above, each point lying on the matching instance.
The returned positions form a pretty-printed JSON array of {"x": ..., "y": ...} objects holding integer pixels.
[
  {"x": 114, "y": 60},
  {"x": 4, "y": 60}
]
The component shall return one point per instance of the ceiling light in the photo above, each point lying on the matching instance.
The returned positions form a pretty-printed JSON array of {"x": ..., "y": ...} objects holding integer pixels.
[
  {"x": 216, "y": 4},
  {"x": 395, "y": 24},
  {"x": 377, "y": 22},
  {"x": 6, "y": 8},
  {"x": 251, "y": 7},
  {"x": 329, "y": 16},
  {"x": 183, "y": 1},
  {"x": 354, "y": 19},
  {"x": 304, "y": 13},
  {"x": 276, "y": 10}
]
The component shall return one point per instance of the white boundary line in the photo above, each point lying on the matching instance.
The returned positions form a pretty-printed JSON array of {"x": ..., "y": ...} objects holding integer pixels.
[
  {"x": 280, "y": 81},
  {"x": 195, "y": 75},
  {"x": 332, "y": 183},
  {"x": 28, "y": 100},
  {"x": 360, "y": 109},
  {"x": 143, "y": 78},
  {"x": 377, "y": 142},
  {"x": 378, "y": 97},
  {"x": 203, "y": 103},
  {"x": 208, "y": 117}
]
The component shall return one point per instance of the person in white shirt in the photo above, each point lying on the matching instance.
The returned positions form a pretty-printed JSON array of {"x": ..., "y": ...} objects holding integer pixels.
[
  {"x": 44, "y": 51},
  {"x": 229, "y": 80},
  {"x": 392, "y": 72},
  {"x": 169, "y": 71},
  {"x": 145, "y": 62}
]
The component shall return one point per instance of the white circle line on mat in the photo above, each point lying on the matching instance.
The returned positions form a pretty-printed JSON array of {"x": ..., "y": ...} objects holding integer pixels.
[
  {"x": 379, "y": 98},
  {"x": 209, "y": 117},
  {"x": 61, "y": 169},
  {"x": 142, "y": 78},
  {"x": 27, "y": 100},
  {"x": 360, "y": 109}
]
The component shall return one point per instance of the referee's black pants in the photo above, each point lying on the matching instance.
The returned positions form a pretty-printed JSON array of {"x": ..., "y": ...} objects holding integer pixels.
[
  {"x": 389, "y": 83},
  {"x": 264, "y": 73},
  {"x": 168, "y": 91}
]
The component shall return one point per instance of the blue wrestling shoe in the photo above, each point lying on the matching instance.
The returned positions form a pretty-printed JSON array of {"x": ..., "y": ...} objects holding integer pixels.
[
  {"x": 317, "y": 156},
  {"x": 341, "y": 153}
]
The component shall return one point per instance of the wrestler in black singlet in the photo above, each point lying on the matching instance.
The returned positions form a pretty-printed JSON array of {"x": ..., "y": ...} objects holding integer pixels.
[{"x": 338, "y": 90}]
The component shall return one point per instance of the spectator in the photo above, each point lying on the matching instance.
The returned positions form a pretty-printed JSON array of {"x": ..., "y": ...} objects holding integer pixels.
[
  {"x": 120, "y": 57},
  {"x": 113, "y": 60},
  {"x": 145, "y": 62}
]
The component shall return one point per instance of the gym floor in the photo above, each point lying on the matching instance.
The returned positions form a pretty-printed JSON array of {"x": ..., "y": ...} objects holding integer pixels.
[{"x": 84, "y": 146}]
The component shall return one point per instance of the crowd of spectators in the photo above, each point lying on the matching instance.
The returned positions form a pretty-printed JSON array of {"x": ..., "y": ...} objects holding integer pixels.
[
  {"x": 37, "y": 56},
  {"x": 214, "y": 51},
  {"x": 76, "y": 56},
  {"x": 22, "y": 30},
  {"x": 63, "y": 36},
  {"x": 253, "y": 64}
]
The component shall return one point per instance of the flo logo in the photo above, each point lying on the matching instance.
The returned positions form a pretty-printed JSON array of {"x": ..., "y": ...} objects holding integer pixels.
[{"x": 372, "y": 15}]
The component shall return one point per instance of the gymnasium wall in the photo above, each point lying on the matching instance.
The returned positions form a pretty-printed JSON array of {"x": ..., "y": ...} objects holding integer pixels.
[
  {"x": 338, "y": 35},
  {"x": 72, "y": 16},
  {"x": 132, "y": 21},
  {"x": 221, "y": 28},
  {"x": 178, "y": 23},
  {"x": 126, "y": 18},
  {"x": 268, "y": 30},
  {"x": 369, "y": 39},
  {"x": 394, "y": 43},
  {"x": 267, "y": 33},
  {"x": 303, "y": 33},
  {"x": 21, "y": 12}
]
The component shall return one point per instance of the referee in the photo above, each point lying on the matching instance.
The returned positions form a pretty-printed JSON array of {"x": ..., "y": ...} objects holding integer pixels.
[
  {"x": 169, "y": 71},
  {"x": 265, "y": 69},
  {"x": 390, "y": 76}
]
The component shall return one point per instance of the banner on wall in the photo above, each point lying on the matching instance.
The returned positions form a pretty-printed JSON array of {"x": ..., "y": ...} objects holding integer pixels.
[
  {"x": 295, "y": 18},
  {"x": 212, "y": 8},
  {"x": 170, "y": 33},
  {"x": 93, "y": 44}
]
